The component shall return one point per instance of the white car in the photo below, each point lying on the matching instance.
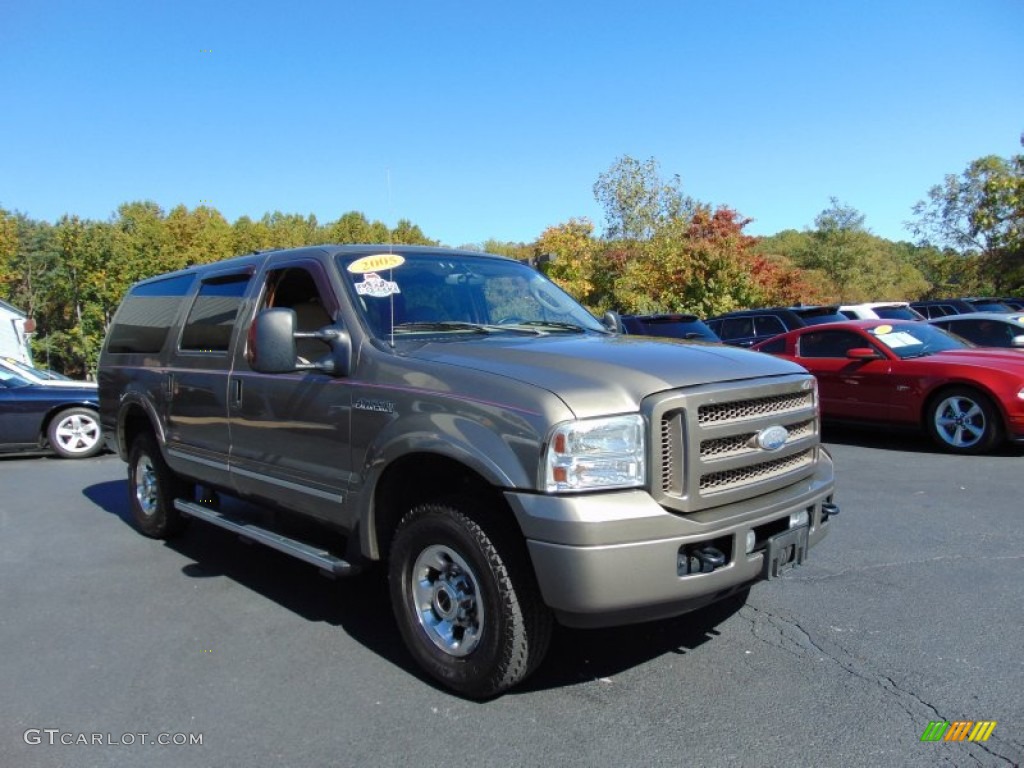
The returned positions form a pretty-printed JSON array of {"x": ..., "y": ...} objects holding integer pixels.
[
  {"x": 36, "y": 376},
  {"x": 881, "y": 310}
]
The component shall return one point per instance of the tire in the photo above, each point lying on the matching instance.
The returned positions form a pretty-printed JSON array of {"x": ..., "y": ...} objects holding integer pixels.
[
  {"x": 75, "y": 433},
  {"x": 962, "y": 420},
  {"x": 152, "y": 489},
  {"x": 466, "y": 600}
]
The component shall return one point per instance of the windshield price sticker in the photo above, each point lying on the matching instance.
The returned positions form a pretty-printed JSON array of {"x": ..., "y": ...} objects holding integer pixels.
[
  {"x": 376, "y": 263},
  {"x": 376, "y": 286},
  {"x": 899, "y": 339}
]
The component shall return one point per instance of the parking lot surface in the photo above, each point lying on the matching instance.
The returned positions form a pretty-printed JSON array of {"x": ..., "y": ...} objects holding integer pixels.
[{"x": 123, "y": 651}]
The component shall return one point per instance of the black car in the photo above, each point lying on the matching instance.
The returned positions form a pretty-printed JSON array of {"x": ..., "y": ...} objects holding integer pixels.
[
  {"x": 941, "y": 307},
  {"x": 37, "y": 417},
  {"x": 746, "y": 327},
  {"x": 673, "y": 326}
]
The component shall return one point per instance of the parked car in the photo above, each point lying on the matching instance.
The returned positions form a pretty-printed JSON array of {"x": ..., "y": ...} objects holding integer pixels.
[
  {"x": 942, "y": 307},
  {"x": 36, "y": 417},
  {"x": 875, "y": 310},
  {"x": 671, "y": 326},
  {"x": 1013, "y": 302},
  {"x": 745, "y": 327},
  {"x": 40, "y": 376},
  {"x": 912, "y": 374},
  {"x": 986, "y": 329}
]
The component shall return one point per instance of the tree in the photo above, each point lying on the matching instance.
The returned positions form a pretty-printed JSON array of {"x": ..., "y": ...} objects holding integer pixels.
[
  {"x": 980, "y": 212},
  {"x": 637, "y": 201},
  {"x": 578, "y": 263}
]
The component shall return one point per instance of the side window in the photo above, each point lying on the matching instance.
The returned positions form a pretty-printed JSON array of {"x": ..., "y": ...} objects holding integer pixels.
[
  {"x": 829, "y": 343},
  {"x": 213, "y": 313},
  {"x": 737, "y": 327},
  {"x": 295, "y": 288},
  {"x": 148, "y": 311},
  {"x": 767, "y": 326}
]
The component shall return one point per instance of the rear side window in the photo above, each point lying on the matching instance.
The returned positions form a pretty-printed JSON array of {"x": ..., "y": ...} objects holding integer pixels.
[
  {"x": 768, "y": 326},
  {"x": 209, "y": 323},
  {"x": 146, "y": 314}
]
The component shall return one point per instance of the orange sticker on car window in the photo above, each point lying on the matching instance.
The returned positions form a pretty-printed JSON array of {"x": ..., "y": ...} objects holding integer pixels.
[{"x": 376, "y": 263}]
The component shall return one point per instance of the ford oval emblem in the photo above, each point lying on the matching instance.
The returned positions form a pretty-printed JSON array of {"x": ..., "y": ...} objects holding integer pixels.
[{"x": 772, "y": 438}]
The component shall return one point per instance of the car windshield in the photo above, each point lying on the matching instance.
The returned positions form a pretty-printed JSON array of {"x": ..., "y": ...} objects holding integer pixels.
[
  {"x": 908, "y": 340},
  {"x": 820, "y": 316},
  {"x": 459, "y": 296},
  {"x": 897, "y": 313}
]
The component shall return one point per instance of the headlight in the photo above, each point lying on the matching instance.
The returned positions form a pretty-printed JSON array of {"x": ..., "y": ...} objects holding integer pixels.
[{"x": 596, "y": 453}]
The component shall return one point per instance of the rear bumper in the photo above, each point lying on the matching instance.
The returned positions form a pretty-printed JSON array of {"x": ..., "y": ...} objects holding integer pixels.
[{"x": 614, "y": 558}]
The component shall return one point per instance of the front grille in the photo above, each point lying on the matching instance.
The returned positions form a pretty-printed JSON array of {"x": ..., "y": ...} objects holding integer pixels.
[
  {"x": 734, "y": 478},
  {"x": 707, "y": 450}
]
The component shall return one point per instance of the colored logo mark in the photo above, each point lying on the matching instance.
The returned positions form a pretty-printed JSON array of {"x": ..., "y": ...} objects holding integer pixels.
[{"x": 958, "y": 730}]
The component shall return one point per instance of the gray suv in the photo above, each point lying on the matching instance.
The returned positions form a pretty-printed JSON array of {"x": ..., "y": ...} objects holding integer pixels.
[{"x": 460, "y": 418}]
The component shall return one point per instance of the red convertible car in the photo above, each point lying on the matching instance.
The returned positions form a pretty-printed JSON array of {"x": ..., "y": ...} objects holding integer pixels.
[{"x": 912, "y": 374}]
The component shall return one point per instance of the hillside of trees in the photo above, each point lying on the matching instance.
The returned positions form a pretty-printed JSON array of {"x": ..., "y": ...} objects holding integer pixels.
[{"x": 660, "y": 250}]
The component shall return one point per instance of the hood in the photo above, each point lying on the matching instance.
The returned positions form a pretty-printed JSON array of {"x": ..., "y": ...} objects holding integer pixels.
[
  {"x": 597, "y": 375},
  {"x": 983, "y": 357}
]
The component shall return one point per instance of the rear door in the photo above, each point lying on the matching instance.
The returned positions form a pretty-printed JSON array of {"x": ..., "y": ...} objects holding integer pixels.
[{"x": 196, "y": 381}]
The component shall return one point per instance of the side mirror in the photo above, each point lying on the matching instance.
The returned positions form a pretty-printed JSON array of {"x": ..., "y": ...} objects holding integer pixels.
[
  {"x": 272, "y": 342},
  {"x": 862, "y": 353},
  {"x": 613, "y": 322},
  {"x": 272, "y": 347}
]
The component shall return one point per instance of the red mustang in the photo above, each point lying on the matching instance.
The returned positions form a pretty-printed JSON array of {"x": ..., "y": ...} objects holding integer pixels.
[{"x": 906, "y": 373}]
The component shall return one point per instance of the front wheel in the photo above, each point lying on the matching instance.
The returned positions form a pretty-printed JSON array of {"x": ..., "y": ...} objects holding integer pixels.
[
  {"x": 75, "y": 433},
  {"x": 962, "y": 420},
  {"x": 152, "y": 489},
  {"x": 466, "y": 600}
]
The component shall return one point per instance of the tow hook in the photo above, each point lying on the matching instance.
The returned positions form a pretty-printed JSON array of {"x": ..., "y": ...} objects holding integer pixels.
[
  {"x": 700, "y": 559},
  {"x": 828, "y": 509}
]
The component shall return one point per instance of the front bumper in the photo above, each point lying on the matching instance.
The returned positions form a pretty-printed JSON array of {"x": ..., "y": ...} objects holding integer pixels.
[{"x": 614, "y": 558}]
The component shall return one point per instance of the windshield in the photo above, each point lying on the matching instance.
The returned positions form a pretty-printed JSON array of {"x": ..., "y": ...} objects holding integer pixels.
[
  {"x": 916, "y": 339},
  {"x": 10, "y": 379},
  {"x": 898, "y": 313},
  {"x": 459, "y": 295}
]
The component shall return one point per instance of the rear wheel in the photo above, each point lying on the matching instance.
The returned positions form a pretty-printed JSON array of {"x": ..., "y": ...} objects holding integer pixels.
[
  {"x": 152, "y": 488},
  {"x": 962, "y": 420},
  {"x": 466, "y": 599},
  {"x": 75, "y": 433}
]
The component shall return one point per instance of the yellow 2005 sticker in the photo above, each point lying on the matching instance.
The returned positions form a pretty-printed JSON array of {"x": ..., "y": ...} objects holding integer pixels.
[{"x": 375, "y": 263}]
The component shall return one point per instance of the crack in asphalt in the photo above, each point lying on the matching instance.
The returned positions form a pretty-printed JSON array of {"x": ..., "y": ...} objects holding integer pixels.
[{"x": 798, "y": 641}]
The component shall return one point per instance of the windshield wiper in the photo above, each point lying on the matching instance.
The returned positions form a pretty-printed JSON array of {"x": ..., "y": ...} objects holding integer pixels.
[
  {"x": 445, "y": 325},
  {"x": 553, "y": 325}
]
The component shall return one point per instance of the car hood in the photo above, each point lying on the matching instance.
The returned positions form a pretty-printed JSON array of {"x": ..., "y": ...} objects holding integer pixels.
[
  {"x": 596, "y": 375},
  {"x": 988, "y": 357}
]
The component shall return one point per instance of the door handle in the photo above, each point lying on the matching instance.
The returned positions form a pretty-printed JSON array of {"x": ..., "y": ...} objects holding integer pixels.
[{"x": 236, "y": 393}]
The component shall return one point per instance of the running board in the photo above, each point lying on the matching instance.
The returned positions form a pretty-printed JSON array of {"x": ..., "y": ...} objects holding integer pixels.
[{"x": 321, "y": 558}]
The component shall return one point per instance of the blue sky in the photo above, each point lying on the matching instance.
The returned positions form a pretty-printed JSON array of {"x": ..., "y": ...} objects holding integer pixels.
[{"x": 494, "y": 120}]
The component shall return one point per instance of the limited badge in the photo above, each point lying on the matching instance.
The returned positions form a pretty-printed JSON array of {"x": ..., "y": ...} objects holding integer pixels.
[
  {"x": 376, "y": 286},
  {"x": 376, "y": 263}
]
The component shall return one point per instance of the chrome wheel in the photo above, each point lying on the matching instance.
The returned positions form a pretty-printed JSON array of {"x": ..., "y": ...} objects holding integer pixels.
[
  {"x": 445, "y": 598},
  {"x": 147, "y": 488}
]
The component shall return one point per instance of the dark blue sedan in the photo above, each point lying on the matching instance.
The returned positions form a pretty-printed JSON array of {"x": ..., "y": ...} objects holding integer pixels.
[{"x": 36, "y": 417}]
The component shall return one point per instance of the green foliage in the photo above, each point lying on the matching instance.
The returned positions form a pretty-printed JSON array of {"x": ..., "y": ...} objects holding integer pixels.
[
  {"x": 637, "y": 202},
  {"x": 980, "y": 212}
]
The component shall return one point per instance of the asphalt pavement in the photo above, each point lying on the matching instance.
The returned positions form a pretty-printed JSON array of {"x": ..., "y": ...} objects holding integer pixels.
[{"x": 206, "y": 651}]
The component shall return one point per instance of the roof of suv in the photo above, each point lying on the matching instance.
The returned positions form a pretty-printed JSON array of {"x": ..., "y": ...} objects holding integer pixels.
[{"x": 674, "y": 326}]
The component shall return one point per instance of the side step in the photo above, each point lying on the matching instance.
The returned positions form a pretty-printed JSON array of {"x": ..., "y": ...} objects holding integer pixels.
[{"x": 321, "y": 558}]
